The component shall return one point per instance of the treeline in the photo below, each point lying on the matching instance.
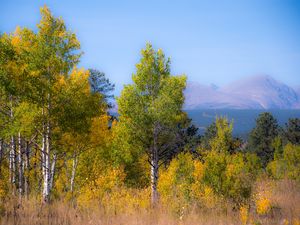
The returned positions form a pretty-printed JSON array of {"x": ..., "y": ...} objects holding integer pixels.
[{"x": 58, "y": 140}]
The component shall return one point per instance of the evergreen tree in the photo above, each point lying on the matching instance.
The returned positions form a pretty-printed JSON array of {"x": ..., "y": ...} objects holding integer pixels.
[
  {"x": 100, "y": 84},
  {"x": 292, "y": 131},
  {"x": 262, "y": 137}
]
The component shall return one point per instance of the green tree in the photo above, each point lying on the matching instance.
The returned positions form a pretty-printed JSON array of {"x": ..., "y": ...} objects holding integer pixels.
[
  {"x": 100, "y": 84},
  {"x": 292, "y": 131},
  {"x": 210, "y": 133},
  {"x": 262, "y": 137},
  {"x": 223, "y": 138},
  {"x": 151, "y": 108}
]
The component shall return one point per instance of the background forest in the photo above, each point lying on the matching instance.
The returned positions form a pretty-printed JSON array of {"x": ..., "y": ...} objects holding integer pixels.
[{"x": 64, "y": 159}]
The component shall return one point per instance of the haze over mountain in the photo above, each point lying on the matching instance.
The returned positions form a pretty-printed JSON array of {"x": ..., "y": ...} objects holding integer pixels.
[{"x": 255, "y": 92}]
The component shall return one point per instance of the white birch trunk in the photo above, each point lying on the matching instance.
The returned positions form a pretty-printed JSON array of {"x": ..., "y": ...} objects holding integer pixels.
[
  {"x": 46, "y": 165},
  {"x": 154, "y": 169},
  {"x": 74, "y": 166},
  {"x": 12, "y": 164},
  {"x": 154, "y": 179},
  {"x": 52, "y": 173},
  {"x": 20, "y": 166},
  {"x": 12, "y": 154},
  {"x": 27, "y": 168}
]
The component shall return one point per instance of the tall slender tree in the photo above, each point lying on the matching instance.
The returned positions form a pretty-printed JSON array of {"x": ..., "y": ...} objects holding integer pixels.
[{"x": 151, "y": 108}]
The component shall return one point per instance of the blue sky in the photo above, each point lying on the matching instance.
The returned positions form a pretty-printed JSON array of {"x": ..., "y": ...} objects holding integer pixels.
[{"x": 209, "y": 41}]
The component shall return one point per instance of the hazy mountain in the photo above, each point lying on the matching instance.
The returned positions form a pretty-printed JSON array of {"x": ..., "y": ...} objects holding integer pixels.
[
  {"x": 297, "y": 89},
  {"x": 256, "y": 92}
]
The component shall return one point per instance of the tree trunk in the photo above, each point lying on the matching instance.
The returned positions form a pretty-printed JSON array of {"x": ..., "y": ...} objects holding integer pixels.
[
  {"x": 52, "y": 173},
  {"x": 27, "y": 168},
  {"x": 1, "y": 154},
  {"x": 12, "y": 153},
  {"x": 154, "y": 178},
  {"x": 20, "y": 162},
  {"x": 12, "y": 164},
  {"x": 154, "y": 169},
  {"x": 46, "y": 165},
  {"x": 74, "y": 166}
]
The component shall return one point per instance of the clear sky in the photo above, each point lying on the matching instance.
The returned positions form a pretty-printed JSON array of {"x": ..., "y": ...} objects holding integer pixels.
[{"x": 210, "y": 41}]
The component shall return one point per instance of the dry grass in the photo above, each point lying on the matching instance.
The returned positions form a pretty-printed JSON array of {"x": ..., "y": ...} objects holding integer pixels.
[
  {"x": 58, "y": 213},
  {"x": 285, "y": 198}
]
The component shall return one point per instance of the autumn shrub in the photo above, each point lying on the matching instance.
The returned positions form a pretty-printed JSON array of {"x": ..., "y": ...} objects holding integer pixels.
[
  {"x": 231, "y": 176},
  {"x": 221, "y": 178},
  {"x": 175, "y": 182},
  {"x": 287, "y": 165},
  {"x": 93, "y": 192}
]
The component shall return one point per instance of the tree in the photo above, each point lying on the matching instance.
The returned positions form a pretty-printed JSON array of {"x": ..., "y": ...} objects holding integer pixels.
[
  {"x": 262, "y": 136},
  {"x": 227, "y": 172},
  {"x": 151, "y": 108},
  {"x": 210, "y": 133},
  {"x": 223, "y": 138},
  {"x": 100, "y": 84},
  {"x": 292, "y": 131},
  {"x": 218, "y": 136}
]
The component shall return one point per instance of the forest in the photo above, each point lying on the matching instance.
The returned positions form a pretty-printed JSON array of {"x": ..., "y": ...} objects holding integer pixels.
[{"x": 66, "y": 159}]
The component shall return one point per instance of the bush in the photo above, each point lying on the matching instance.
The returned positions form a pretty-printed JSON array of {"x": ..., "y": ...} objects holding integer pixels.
[
  {"x": 175, "y": 182},
  {"x": 288, "y": 165}
]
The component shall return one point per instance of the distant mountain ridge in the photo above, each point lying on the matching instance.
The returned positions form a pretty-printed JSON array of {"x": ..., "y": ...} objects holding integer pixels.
[{"x": 255, "y": 92}]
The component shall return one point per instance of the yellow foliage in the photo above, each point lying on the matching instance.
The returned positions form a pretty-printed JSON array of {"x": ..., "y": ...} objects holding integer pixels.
[
  {"x": 198, "y": 171},
  {"x": 263, "y": 205},
  {"x": 100, "y": 134},
  {"x": 263, "y": 198},
  {"x": 209, "y": 198},
  {"x": 126, "y": 200},
  {"x": 296, "y": 221},
  {"x": 94, "y": 191},
  {"x": 109, "y": 192},
  {"x": 3, "y": 189},
  {"x": 15, "y": 40},
  {"x": 244, "y": 214}
]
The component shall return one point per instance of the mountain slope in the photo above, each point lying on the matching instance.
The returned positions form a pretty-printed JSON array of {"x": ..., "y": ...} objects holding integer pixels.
[{"x": 256, "y": 92}]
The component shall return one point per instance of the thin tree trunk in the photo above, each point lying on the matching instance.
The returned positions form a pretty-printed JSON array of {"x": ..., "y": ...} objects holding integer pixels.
[
  {"x": 52, "y": 173},
  {"x": 74, "y": 166},
  {"x": 1, "y": 153},
  {"x": 27, "y": 168},
  {"x": 12, "y": 153},
  {"x": 154, "y": 170},
  {"x": 12, "y": 164},
  {"x": 20, "y": 166},
  {"x": 46, "y": 166},
  {"x": 154, "y": 178}
]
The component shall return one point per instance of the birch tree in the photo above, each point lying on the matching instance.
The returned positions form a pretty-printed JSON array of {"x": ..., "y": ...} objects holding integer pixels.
[{"x": 52, "y": 54}]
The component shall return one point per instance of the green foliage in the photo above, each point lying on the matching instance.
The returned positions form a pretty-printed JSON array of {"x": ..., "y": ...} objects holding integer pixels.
[
  {"x": 286, "y": 164},
  {"x": 262, "y": 137},
  {"x": 151, "y": 108},
  {"x": 209, "y": 134},
  {"x": 292, "y": 131},
  {"x": 100, "y": 84},
  {"x": 231, "y": 176},
  {"x": 223, "y": 138},
  {"x": 177, "y": 179}
]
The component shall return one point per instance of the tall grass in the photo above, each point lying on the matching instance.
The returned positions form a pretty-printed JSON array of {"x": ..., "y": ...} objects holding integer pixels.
[{"x": 284, "y": 198}]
